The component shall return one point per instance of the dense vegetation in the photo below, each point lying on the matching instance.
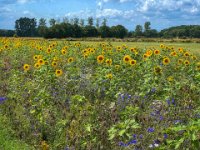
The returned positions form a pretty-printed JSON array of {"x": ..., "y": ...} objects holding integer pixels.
[
  {"x": 68, "y": 95},
  {"x": 76, "y": 28}
]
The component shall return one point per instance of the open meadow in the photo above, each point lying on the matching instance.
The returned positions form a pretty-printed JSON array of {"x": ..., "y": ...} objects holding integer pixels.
[{"x": 69, "y": 95}]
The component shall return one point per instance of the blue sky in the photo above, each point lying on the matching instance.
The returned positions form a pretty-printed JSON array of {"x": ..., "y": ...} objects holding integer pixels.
[{"x": 161, "y": 13}]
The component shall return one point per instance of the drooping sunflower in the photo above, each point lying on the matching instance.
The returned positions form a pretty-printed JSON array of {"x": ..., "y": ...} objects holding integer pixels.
[
  {"x": 26, "y": 67},
  {"x": 166, "y": 61},
  {"x": 100, "y": 59},
  {"x": 37, "y": 65},
  {"x": 127, "y": 58},
  {"x": 58, "y": 72},
  {"x": 186, "y": 62},
  {"x": 109, "y": 62},
  {"x": 156, "y": 52},
  {"x": 157, "y": 70},
  {"x": 198, "y": 66},
  {"x": 133, "y": 62}
]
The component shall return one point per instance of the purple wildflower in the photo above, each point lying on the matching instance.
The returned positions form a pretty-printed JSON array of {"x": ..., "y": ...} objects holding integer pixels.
[{"x": 150, "y": 130}]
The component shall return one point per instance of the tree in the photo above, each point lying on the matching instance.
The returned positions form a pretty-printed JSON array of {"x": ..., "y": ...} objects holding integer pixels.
[
  {"x": 105, "y": 31},
  {"x": 52, "y": 22},
  {"x": 82, "y": 22},
  {"x": 90, "y": 21},
  {"x": 90, "y": 31},
  {"x": 65, "y": 20},
  {"x": 104, "y": 23},
  {"x": 147, "y": 26},
  {"x": 119, "y": 31},
  {"x": 97, "y": 22},
  {"x": 76, "y": 21},
  {"x": 138, "y": 30},
  {"x": 26, "y": 27},
  {"x": 42, "y": 28}
]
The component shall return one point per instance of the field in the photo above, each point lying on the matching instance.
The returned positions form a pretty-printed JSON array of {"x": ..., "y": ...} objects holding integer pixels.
[{"x": 65, "y": 95}]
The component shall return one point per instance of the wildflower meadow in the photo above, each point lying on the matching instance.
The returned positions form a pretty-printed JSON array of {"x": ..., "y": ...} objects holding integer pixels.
[{"x": 62, "y": 95}]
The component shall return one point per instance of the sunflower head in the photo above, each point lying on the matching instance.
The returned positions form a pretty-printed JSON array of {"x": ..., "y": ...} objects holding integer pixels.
[
  {"x": 173, "y": 53},
  {"x": 35, "y": 57},
  {"x": 186, "y": 54},
  {"x": 186, "y": 62},
  {"x": 180, "y": 61},
  {"x": 170, "y": 79},
  {"x": 127, "y": 58},
  {"x": 133, "y": 62},
  {"x": 109, "y": 76},
  {"x": 26, "y": 67},
  {"x": 117, "y": 67},
  {"x": 41, "y": 61},
  {"x": 54, "y": 64},
  {"x": 166, "y": 61},
  {"x": 58, "y": 72},
  {"x": 157, "y": 70},
  {"x": 156, "y": 52},
  {"x": 109, "y": 62},
  {"x": 198, "y": 66},
  {"x": 70, "y": 59},
  {"x": 100, "y": 59},
  {"x": 37, "y": 65},
  {"x": 63, "y": 51}
]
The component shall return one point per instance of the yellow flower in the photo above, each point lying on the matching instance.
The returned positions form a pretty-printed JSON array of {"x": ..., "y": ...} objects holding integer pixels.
[
  {"x": 63, "y": 51},
  {"x": 156, "y": 52},
  {"x": 180, "y": 50},
  {"x": 71, "y": 59},
  {"x": 26, "y": 67},
  {"x": 109, "y": 62},
  {"x": 54, "y": 63},
  {"x": 145, "y": 56},
  {"x": 35, "y": 57},
  {"x": 109, "y": 76},
  {"x": 170, "y": 78},
  {"x": 127, "y": 58},
  {"x": 173, "y": 53},
  {"x": 100, "y": 58},
  {"x": 166, "y": 61},
  {"x": 149, "y": 53},
  {"x": 37, "y": 65},
  {"x": 186, "y": 62},
  {"x": 180, "y": 61},
  {"x": 59, "y": 72},
  {"x": 119, "y": 48},
  {"x": 44, "y": 145},
  {"x": 157, "y": 70},
  {"x": 41, "y": 61},
  {"x": 198, "y": 66},
  {"x": 186, "y": 54},
  {"x": 117, "y": 67},
  {"x": 162, "y": 46},
  {"x": 48, "y": 50},
  {"x": 133, "y": 62}
]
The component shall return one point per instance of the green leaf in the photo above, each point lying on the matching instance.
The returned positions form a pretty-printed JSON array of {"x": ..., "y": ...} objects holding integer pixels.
[{"x": 122, "y": 132}]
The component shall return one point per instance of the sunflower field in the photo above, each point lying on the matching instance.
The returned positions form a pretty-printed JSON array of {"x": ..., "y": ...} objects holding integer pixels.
[{"x": 61, "y": 95}]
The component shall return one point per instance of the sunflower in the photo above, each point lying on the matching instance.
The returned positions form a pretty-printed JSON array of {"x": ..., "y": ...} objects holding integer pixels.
[
  {"x": 119, "y": 48},
  {"x": 109, "y": 62},
  {"x": 194, "y": 57},
  {"x": 186, "y": 62},
  {"x": 109, "y": 76},
  {"x": 186, "y": 54},
  {"x": 149, "y": 53},
  {"x": 26, "y": 67},
  {"x": 70, "y": 59},
  {"x": 170, "y": 78},
  {"x": 37, "y": 65},
  {"x": 156, "y": 52},
  {"x": 157, "y": 70},
  {"x": 63, "y": 51},
  {"x": 180, "y": 50},
  {"x": 100, "y": 58},
  {"x": 145, "y": 56},
  {"x": 117, "y": 67},
  {"x": 41, "y": 61},
  {"x": 162, "y": 46},
  {"x": 133, "y": 62},
  {"x": 54, "y": 64},
  {"x": 35, "y": 57},
  {"x": 180, "y": 61},
  {"x": 166, "y": 61},
  {"x": 58, "y": 72},
  {"x": 48, "y": 51},
  {"x": 173, "y": 53},
  {"x": 198, "y": 66},
  {"x": 127, "y": 58}
]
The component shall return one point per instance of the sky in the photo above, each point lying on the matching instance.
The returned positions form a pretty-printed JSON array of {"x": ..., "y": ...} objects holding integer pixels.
[{"x": 161, "y": 13}]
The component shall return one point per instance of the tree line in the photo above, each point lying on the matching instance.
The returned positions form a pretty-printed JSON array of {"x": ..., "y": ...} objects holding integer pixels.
[{"x": 77, "y": 28}]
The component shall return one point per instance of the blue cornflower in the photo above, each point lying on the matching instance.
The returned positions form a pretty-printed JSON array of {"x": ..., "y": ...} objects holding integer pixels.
[
  {"x": 153, "y": 90},
  {"x": 165, "y": 135},
  {"x": 168, "y": 101},
  {"x": 133, "y": 142},
  {"x": 150, "y": 130},
  {"x": 141, "y": 136},
  {"x": 2, "y": 99},
  {"x": 134, "y": 136},
  {"x": 173, "y": 101}
]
